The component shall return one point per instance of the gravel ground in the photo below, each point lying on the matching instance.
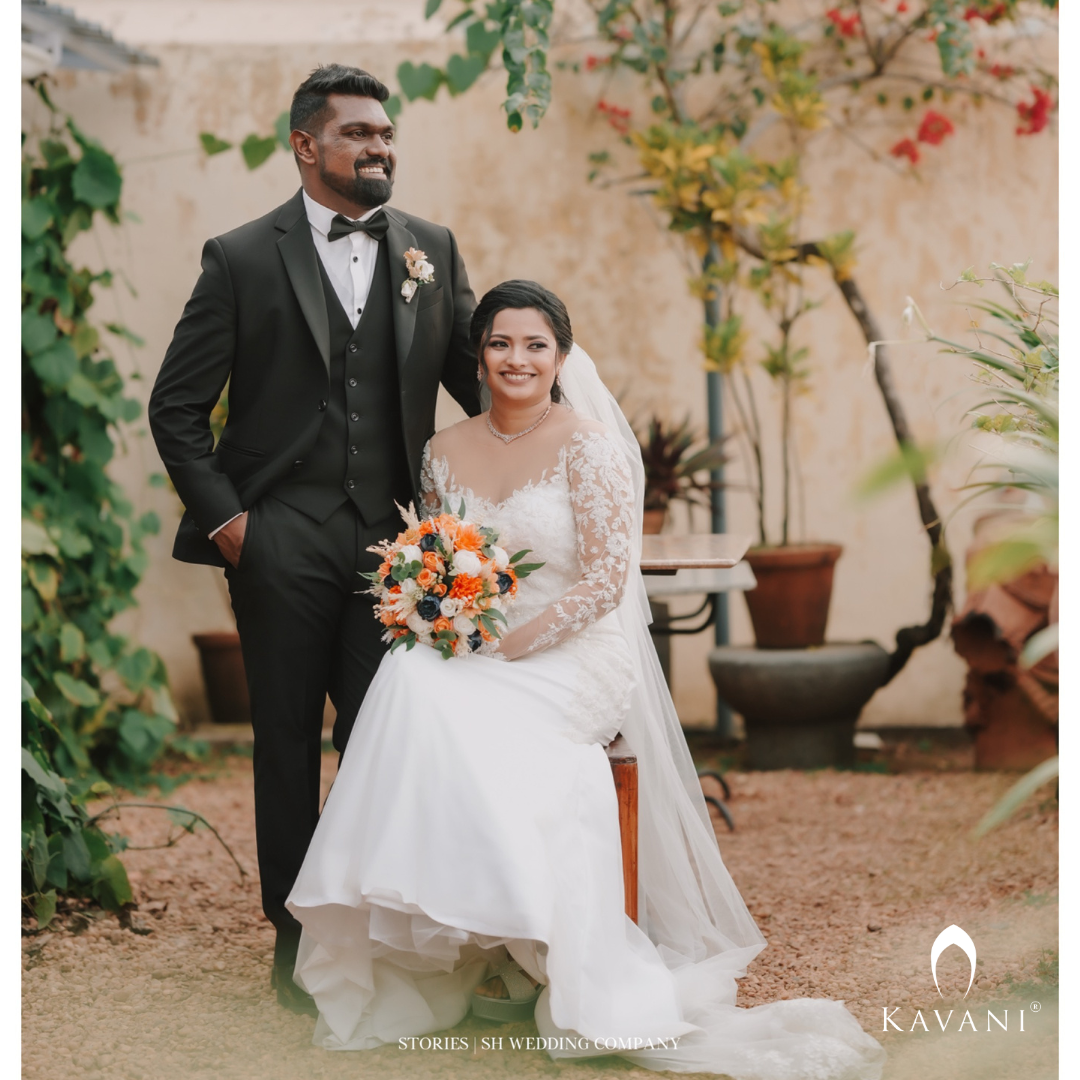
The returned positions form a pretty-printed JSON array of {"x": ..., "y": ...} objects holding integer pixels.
[{"x": 851, "y": 876}]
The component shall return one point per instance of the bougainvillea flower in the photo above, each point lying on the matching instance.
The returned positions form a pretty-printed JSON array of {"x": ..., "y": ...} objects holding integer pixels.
[
  {"x": 593, "y": 62},
  {"x": 618, "y": 118},
  {"x": 847, "y": 25},
  {"x": 901, "y": 7},
  {"x": 934, "y": 128},
  {"x": 1002, "y": 71},
  {"x": 906, "y": 148},
  {"x": 988, "y": 15},
  {"x": 1036, "y": 115}
]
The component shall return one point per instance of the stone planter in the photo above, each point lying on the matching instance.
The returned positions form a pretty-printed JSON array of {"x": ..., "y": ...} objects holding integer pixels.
[
  {"x": 790, "y": 606},
  {"x": 800, "y": 705},
  {"x": 223, "y": 675}
]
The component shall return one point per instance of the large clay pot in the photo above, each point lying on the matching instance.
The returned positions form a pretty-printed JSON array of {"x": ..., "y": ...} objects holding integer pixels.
[
  {"x": 224, "y": 677},
  {"x": 790, "y": 606},
  {"x": 652, "y": 522}
]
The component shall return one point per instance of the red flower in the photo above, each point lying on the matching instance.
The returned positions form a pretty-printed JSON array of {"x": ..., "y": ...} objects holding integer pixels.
[
  {"x": 989, "y": 16},
  {"x": 616, "y": 117},
  {"x": 1002, "y": 71},
  {"x": 906, "y": 148},
  {"x": 848, "y": 25},
  {"x": 592, "y": 62},
  {"x": 934, "y": 128},
  {"x": 901, "y": 7},
  {"x": 1035, "y": 116}
]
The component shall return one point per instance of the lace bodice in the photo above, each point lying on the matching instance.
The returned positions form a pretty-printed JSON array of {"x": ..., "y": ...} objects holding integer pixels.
[{"x": 577, "y": 520}]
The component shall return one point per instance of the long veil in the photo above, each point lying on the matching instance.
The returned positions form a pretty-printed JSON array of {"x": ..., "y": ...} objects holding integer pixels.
[{"x": 689, "y": 905}]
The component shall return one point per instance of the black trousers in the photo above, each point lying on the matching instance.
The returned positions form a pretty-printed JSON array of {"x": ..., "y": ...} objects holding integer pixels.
[{"x": 304, "y": 632}]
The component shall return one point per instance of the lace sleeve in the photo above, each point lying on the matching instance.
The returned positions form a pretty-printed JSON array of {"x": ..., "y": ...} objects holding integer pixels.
[
  {"x": 430, "y": 501},
  {"x": 601, "y": 491}
]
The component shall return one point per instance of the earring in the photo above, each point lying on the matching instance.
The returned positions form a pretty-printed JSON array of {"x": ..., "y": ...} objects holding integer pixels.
[{"x": 479, "y": 374}]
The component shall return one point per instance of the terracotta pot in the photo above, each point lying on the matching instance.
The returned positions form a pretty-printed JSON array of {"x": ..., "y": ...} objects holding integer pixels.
[
  {"x": 652, "y": 522},
  {"x": 224, "y": 677},
  {"x": 790, "y": 606}
]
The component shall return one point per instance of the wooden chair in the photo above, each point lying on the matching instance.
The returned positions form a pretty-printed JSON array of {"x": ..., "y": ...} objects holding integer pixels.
[{"x": 624, "y": 770}]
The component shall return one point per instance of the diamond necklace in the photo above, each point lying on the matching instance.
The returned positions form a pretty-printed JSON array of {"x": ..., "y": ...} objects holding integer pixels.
[{"x": 517, "y": 435}]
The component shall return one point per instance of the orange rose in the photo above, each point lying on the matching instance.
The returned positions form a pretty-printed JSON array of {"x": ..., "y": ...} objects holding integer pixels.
[
  {"x": 439, "y": 590},
  {"x": 466, "y": 588},
  {"x": 442, "y": 623},
  {"x": 387, "y": 618},
  {"x": 433, "y": 562},
  {"x": 425, "y": 579}
]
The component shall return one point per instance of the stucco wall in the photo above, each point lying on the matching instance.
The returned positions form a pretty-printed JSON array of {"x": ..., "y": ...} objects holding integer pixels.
[{"x": 520, "y": 207}]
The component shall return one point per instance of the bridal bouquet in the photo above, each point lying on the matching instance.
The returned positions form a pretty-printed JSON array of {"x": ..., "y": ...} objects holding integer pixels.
[{"x": 445, "y": 582}]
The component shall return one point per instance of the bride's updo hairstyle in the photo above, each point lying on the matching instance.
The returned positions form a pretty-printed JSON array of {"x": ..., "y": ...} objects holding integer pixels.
[{"x": 522, "y": 294}]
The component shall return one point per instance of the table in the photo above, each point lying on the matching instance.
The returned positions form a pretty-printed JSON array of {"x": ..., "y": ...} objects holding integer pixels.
[{"x": 709, "y": 563}]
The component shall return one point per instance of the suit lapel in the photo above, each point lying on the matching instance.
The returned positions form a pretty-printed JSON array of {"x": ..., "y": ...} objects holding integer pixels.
[
  {"x": 398, "y": 240},
  {"x": 302, "y": 265}
]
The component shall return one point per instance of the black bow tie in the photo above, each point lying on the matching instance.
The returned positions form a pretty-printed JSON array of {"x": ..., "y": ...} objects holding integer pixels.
[{"x": 375, "y": 226}]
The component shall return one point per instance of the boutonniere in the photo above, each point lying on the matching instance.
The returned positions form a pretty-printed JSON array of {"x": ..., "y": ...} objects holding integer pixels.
[{"x": 421, "y": 272}]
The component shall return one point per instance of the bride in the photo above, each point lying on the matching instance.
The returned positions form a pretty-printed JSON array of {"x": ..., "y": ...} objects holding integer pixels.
[{"x": 468, "y": 854}]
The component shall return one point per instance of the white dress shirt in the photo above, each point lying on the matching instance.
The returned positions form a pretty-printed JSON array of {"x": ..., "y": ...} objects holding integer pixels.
[{"x": 349, "y": 263}]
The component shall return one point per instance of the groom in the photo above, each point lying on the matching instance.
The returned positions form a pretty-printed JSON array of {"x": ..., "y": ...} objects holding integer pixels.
[{"x": 333, "y": 362}]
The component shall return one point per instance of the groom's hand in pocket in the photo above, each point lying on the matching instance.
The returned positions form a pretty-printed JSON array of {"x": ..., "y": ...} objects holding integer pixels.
[{"x": 230, "y": 539}]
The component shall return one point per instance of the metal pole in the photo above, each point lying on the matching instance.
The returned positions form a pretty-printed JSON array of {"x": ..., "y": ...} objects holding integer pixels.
[{"x": 725, "y": 727}]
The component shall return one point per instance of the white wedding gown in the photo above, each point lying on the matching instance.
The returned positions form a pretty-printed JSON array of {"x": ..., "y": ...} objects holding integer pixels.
[{"x": 474, "y": 811}]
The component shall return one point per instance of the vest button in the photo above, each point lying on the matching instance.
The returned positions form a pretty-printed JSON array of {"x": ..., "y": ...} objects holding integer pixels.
[
  {"x": 351, "y": 484},
  {"x": 352, "y": 382},
  {"x": 354, "y": 449},
  {"x": 297, "y": 464},
  {"x": 352, "y": 347},
  {"x": 322, "y": 406},
  {"x": 354, "y": 416}
]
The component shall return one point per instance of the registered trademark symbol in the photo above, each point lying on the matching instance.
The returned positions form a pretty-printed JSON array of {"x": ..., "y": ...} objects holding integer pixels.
[{"x": 1036, "y": 1006}]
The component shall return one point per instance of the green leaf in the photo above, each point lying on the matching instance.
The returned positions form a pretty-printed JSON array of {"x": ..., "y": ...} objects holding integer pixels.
[
  {"x": 430, "y": 7},
  {"x": 1039, "y": 645},
  {"x": 136, "y": 669},
  {"x": 76, "y": 691},
  {"x": 45, "y": 908},
  {"x": 38, "y": 331},
  {"x": 56, "y": 365},
  {"x": 112, "y": 886},
  {"x": 1016, "y": 796},
  {"x": 480, "y": 41},
  {"x": 520, "y": 555},
  {"x": 96, "y": 180},
  {"x": 183, "y": 818},
  {"x": 44, "y": 578},
  {"x": 39, "y": 856},
  {"x": 256, "y": 150},
  {"x": 35, "y": 540},
  {"x": 45, "y": 779},
  {"x": 392, "y": 107},
  {"x": 37, "y": 215},
  {"x": 462, "y": 72},
  {"x": 72, "y": 643},
  {"x": 283, "y": 129},
  {"x": 419, "y": 82},
  {"x": 212, "y": 144},
  {"x": 76, "y": 856},
  {"x": 907, "y": 463}
]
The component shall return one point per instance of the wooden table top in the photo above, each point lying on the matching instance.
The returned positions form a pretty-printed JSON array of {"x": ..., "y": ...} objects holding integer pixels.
[{"x": 666, "y": 554}]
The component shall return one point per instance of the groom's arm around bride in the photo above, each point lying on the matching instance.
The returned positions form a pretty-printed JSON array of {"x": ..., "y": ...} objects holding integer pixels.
[{"x": 333, "y": 318}]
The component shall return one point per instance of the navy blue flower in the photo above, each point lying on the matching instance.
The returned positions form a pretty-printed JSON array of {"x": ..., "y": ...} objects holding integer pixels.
[
  {"x": 475, "y": 640},
  {"x": 428, "y": 608},
  {"x": 504, "y": 582},
  {"x": 427, "y": 542}
]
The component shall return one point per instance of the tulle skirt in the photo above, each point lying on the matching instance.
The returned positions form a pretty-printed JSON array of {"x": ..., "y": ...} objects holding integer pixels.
[{"x": 468, "y": 818}]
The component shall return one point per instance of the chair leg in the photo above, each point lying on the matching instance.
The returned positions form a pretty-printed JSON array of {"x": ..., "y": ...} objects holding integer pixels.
[{"x": 626, "y": 787}]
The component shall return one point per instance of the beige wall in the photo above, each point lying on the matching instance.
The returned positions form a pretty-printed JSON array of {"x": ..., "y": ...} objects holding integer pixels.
[{"x": 520, "y": 207}]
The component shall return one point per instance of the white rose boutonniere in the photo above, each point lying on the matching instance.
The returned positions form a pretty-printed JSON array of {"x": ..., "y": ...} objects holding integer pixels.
[{"x": 421, "y": 272}]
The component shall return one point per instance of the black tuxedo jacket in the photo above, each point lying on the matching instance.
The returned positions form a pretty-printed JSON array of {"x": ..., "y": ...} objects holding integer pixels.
[{"x": 258, "y": 316}]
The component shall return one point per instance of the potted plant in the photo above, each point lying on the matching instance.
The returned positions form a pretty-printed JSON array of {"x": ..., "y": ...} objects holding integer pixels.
[{"x": 673, "y": 463}]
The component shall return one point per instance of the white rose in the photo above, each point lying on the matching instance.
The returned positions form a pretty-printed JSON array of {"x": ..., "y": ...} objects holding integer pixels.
[
  {"x": 411, "y": 553},
  {"x": 467, "y": 562},
  {"x": 408, "y": 289},
  {"x": 409, "y": 587},
  {"x": 426, "y": 271},
  {"x": 417, "y": 625},
  {"x": 463, "y": 626},
  {"x": 500, "y": 557},
  {"x": 450, "y": 607}
]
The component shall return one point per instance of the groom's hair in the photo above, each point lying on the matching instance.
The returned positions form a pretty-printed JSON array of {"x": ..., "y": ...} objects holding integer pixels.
[
  {"x": 310, "y": 110},
  {"x": 522, "y": 294}
]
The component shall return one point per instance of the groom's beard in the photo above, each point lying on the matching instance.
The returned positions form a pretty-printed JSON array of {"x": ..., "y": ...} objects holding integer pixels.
[{"x": 361, "y": 190}]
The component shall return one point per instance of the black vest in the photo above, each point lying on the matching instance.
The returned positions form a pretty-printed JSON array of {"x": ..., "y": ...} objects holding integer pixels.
[{"x": 360, "y": 450}]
